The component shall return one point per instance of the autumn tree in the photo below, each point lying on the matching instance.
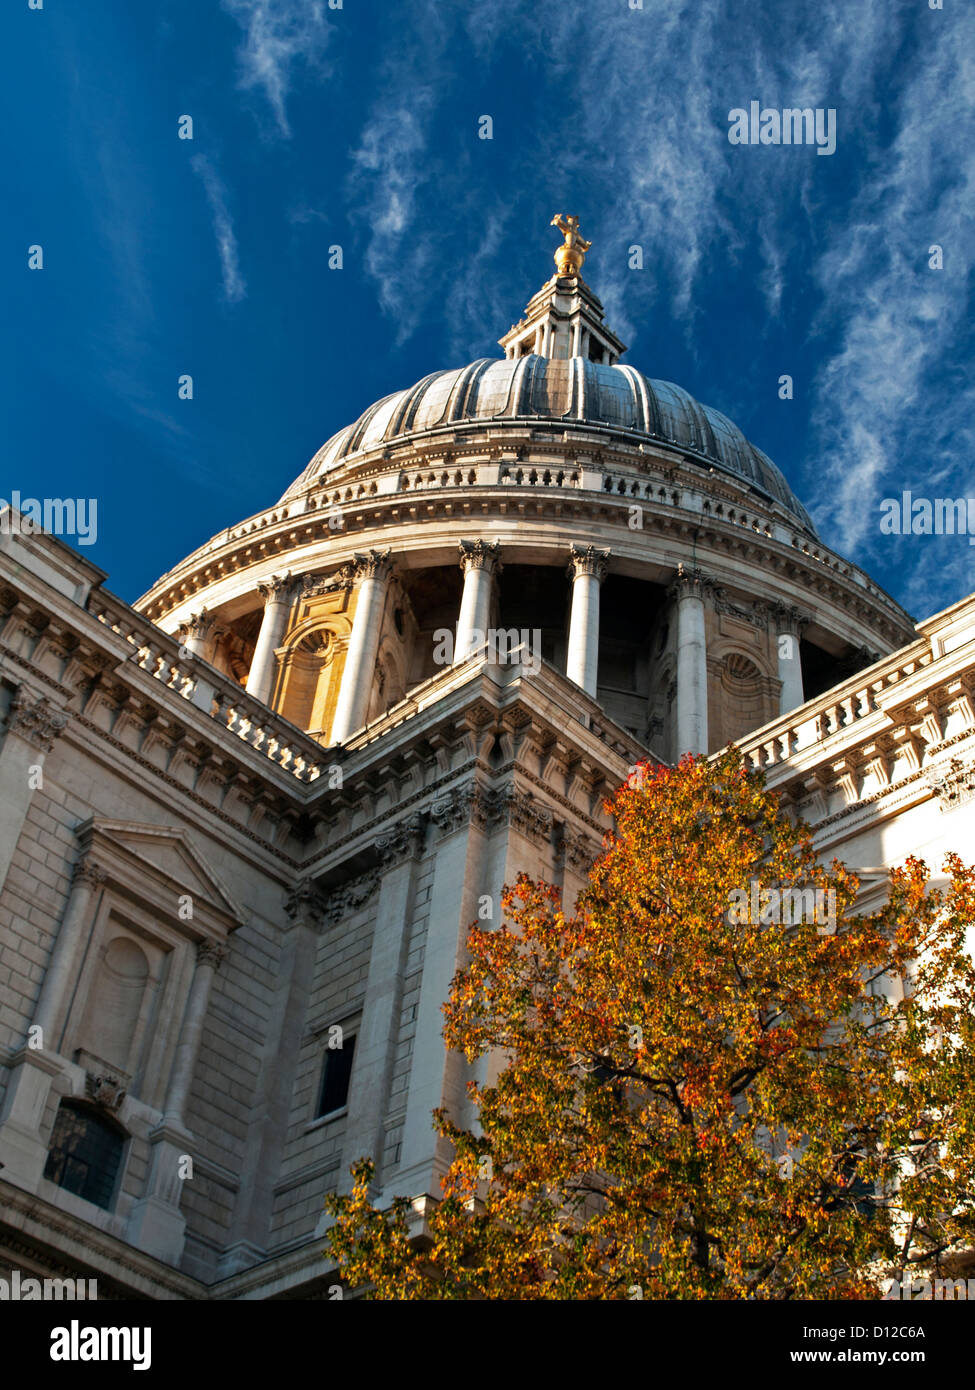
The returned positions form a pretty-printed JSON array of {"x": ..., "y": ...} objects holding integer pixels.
[{"x": 694, "y": 1094}]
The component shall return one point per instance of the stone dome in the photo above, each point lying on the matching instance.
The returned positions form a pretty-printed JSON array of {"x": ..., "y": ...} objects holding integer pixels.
[
  {"x": 612, "y": 396},
  {"x": 647, "y": 554}
]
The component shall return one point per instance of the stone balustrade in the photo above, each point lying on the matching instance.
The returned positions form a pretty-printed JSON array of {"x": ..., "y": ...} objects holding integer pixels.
[
  {"x": 216, "y": 695},
  {"x": 864, "y": 698},
  {"x": 333, "y": 512}
]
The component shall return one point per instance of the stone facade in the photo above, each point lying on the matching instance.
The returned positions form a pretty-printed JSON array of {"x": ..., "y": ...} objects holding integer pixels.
[
  {"x": 245, "y": 824},
  {"x": 196, "y": 893}
]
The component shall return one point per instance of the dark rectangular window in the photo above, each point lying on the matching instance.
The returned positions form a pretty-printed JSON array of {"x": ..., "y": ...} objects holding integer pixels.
[
  {"x": 85, "y": 1153},
  {"x": 335, "y": 1077}
]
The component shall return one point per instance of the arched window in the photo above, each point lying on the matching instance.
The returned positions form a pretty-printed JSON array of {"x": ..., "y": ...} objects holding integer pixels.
[{"x": 85, "y": 1153}]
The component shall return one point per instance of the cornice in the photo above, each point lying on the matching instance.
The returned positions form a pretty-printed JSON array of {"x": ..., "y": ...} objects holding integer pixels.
[
  {"x": 952, "y": 787},
  {"x": 814, "y": 565},
  {"x": 28, "y": 1220},
  {"x": 162, "y": 776}
]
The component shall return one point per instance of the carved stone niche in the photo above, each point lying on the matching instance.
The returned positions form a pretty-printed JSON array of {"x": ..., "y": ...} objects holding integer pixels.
[{"x": 155, "y": 895}]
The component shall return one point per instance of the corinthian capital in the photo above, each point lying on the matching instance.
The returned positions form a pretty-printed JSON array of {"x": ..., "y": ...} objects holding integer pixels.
[
  {"x": 689, "y": 583},
  {"x": 789, "y": 619},
  {"x": 37, "y": 721},
  {"x": 586, "y": 559},
  {"x": 198, "y": 625},
  {"x": 480, "y": 555},
  {"x": 305, "y": 902},
  {"x": 404, "y": 840},
  {"x": 374, "y": 564},
  {"x": 87, "y": 871},
  {"x": 276, "y": 588},
  {"x": 210, "y": 953}
]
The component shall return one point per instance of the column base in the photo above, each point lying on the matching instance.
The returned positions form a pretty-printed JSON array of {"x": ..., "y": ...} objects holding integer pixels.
[
  {"x": 243, "y": 1254},
  {"x": 156, "y": 1224},
  {"x": 23, "y": 1151},
  {"x": 158, "y": 1228}
]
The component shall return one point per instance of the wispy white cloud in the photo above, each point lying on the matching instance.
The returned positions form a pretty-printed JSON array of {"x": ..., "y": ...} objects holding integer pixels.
[
  {"x": 234, "y": 288},
  {"x": 387, "y": 173},
  {"x": 636, "y": 105},
  {"x": 882, "y": 422},
  {"x": 397, "y": 178},
  {"x": 278, "y": 36}
]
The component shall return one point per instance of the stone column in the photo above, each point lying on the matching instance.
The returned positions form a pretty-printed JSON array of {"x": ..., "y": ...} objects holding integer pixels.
[
  {"x": 198, "y": 634},
  {"x": 687, "y": 592},
  {"x": 277, "y": 594},
  {"x": 539, "y": 340},
  {"x": 33, "y": 726},
  {"x": 480, "y": 561},
  {"x": 577, "y": 339},
  {"x": 399, "y": 851},
  {"x": 371, "y": 574},
  {"x": 62, "y": 968},
  {"x": 789, "y": 623},
  {"x": 587, "y": 570},
  {"x": 208, "y": 959},
  {"x": 23, "y": 1151},
  {"x": 156, "y": 1223}
]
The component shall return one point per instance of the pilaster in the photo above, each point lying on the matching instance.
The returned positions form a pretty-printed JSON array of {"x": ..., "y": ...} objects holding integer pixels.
[{"x": 33, "y": 726}]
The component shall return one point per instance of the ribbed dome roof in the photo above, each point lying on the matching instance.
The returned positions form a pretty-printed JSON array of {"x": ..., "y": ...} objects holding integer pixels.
[{"x": 574, "y": 390}]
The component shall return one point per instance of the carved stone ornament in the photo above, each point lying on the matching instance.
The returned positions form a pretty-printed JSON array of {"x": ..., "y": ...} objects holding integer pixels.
[
  {"x": 210, "y": 953},
  {"x": 198, "y": 625},
  {"x": 476, "y": 805},
  {"x": 342, "y": 579},
  {"x": 37, "y": 721},
  {"x": 953, "y": 785},
  {"x": 374, "y": 564},
  {"x": 586, "y": 559},
  {"x": 106, "y": 1091},
  {"x": 277, "y": 588},
  {"x": 756, "y": 614},
  {"x": 480, "y": 555},
  {"x": 402, "y": 841},
  {"x": 788, "y": 619},
  {"x": 458, "y": 808},
  {"x": 347, "y": 898},
  {"x": 305, "y": 900},
  {"x": 86, "y": 871},
  {"x": 689, "y": 583},
  {"x": 578, "y": 851}
]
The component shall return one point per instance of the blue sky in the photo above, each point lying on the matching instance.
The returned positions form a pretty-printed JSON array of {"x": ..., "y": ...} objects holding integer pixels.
[{"x": 358, "y": 126}]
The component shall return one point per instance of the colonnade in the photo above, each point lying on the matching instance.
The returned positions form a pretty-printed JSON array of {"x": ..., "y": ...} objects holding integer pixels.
[{"x": 480, "y": 562}]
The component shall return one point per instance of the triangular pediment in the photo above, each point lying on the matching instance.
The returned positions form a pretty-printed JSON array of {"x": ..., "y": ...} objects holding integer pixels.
[{"x": 167, "y": 855}]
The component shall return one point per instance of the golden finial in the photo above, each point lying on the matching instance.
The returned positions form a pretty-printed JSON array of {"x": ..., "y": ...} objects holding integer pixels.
[{"x": 571, "y": 254}]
